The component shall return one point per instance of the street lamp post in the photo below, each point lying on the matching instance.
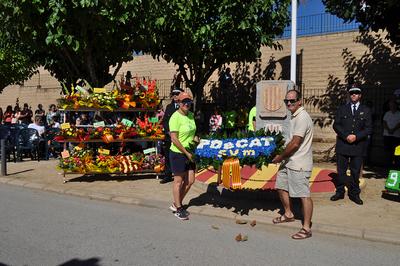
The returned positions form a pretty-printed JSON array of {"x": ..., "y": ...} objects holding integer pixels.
[{"x": 293, "y": 42}]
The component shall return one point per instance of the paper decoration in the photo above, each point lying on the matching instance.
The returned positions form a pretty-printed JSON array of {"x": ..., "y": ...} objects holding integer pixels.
[
  {"x": 127, "y": 122},
  {"x": 103, "y": 151},
  {"x": 99, "y": 90},
  {"x": 81, "y": 90},
  {"x": 65, "y": 126},
  {"x": 153, "y": 119},
  {"x": 99, "y": 124},
  {"x": 149, "y": 150},
  {"x": 65, "y": 154}
]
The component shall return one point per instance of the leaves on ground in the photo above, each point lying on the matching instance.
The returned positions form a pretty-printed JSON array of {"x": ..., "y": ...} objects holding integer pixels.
[
  {"x": 241, "y": 221},
  {"x": 215, "y": 227},
  {"x": 253, "y": 223},
  {"x": 238, "y": 238}
]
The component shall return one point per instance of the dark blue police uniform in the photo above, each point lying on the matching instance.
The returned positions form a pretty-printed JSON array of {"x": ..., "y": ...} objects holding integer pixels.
[{"x": 350, "y": 155}]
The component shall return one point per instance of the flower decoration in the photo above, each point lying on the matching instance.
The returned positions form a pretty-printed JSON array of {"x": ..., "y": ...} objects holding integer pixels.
[
  {"x": 82, "y": 161},
  {"x": 110, "y": 134},
  {"x": 251, "y": 148},
  {"x": 144, "y": 95}
]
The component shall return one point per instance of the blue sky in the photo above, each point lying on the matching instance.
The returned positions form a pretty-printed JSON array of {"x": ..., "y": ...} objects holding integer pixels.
[
  {"x": 313, "y": 20},
  {"x": 310, "y": 7}
]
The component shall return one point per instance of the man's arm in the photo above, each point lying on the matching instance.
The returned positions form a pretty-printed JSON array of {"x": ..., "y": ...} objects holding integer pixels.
[
  {"x": 338, "y": 125},
  {"x": 290, "y": 149},
  {"x": 367, "y": 130}
]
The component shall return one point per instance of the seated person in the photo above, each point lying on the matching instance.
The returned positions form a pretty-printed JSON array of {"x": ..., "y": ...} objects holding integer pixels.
[
  {"x": 38, "y": 125},
  {"x": 82, "y": 120},
  {"x": 55, "y": 122}
]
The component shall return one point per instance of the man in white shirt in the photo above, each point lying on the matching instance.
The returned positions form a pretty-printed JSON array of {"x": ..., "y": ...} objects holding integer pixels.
[
  {"x": 37, "y": 125},
  {"x": 293, "y": 176},
  {"x": 391, "y": 131}
]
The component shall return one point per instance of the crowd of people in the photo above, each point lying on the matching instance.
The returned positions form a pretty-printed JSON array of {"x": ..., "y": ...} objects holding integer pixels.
[
  {"x": 25, "y": 116},
  {"x": 45, "y": 123}
]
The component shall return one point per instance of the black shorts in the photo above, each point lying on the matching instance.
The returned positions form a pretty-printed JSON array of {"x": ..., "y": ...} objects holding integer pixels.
[{"x": 180, "y": 163}]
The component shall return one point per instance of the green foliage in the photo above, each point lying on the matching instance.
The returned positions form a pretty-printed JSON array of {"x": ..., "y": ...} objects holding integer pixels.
[
  {"x": 201, "y": 36},
  {"x": 204, "y": 162},
  {"x": 15, "y": 66},
  {"x": 76, "y": 38},
  {"x": 372, "y": 14}
]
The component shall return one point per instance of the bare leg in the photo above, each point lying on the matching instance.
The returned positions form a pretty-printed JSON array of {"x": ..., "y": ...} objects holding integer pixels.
[
  {"x": 284, "y": 197},
  {"x": 307, "y": 212},
  {"x": 177, "y": 188},
  {"x": 188, "y": 182}
]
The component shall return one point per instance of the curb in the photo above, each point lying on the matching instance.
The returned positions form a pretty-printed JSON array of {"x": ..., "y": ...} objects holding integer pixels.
[{"x": 370, "y": 235}]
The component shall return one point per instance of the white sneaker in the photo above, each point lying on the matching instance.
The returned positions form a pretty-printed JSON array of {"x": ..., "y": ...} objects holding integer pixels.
[{"x": 173, "y": 208}]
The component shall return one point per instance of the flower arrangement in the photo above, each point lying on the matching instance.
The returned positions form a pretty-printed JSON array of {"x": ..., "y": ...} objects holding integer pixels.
[
  {"x": 82, "y": 161},
  {"x": 251, "y": 148},
  {"x": 144, "y": 95},
  {"x": 147, "y": 128},
  {"x": 77, "y": 161},
  {"x": 121, "y": 132}
]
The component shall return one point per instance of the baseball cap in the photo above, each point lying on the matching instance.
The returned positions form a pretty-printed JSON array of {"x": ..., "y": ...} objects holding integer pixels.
[
  {"x": 176, "y": 90},
  {"x": 184, "y": 95},
  {"x": 355, "y": 89}
]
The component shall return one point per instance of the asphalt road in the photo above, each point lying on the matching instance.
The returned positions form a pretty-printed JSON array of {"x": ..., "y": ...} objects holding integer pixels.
[{"x": 42, "y": 228}]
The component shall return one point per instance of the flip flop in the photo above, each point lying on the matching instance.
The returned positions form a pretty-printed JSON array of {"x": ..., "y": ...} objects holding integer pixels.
[
  {"x": 302, "y": 234},
  {"x": 283, "y": 219}
]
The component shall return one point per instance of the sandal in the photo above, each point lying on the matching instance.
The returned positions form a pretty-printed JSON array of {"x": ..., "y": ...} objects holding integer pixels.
[
  {"x": 302, "y": 234},
  {"x": 283, "y": 219}
]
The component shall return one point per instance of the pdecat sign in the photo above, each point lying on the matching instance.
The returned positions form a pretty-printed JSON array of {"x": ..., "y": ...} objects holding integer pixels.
[{"x": 244, "y": 147}]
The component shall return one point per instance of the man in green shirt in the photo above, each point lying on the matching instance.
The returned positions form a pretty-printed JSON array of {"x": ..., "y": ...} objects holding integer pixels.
[{"x": 252, "y": 119}]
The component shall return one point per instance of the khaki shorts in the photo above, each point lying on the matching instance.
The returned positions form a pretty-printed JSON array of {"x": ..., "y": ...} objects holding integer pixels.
[{"x": 294, "y": 182}]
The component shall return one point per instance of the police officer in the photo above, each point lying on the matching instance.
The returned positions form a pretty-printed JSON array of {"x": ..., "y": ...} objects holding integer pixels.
[{"x": 353, "y": 125}]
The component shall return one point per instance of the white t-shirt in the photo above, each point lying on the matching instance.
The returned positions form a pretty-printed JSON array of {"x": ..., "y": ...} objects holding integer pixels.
[
  {"x": 301, "y": 125},
  {"x": 40, "y": 129},
  {"x": 392, "y": 119}
]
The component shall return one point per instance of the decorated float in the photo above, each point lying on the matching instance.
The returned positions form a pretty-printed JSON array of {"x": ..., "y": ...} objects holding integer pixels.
[
  {"x": 227, "y": 154},
  {"x": 110, "y": 148}
]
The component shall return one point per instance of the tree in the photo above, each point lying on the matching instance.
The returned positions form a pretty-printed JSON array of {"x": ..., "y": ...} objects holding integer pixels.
[
  {"x": 201, "y": 36},
  {"x": 76, "y": 38},
  {"x": 372, "y": 14},
  {"x": 15, "y": 66}
]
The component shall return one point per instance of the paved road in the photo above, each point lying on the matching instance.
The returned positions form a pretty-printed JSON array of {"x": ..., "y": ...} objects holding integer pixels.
[{"x": 41, "y": 228}]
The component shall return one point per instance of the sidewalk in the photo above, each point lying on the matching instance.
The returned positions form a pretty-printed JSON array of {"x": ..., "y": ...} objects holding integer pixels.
[{"x": 377, "y": 219}]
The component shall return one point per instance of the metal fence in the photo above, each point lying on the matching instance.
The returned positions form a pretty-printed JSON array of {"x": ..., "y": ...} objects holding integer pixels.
[{"x": 319, "y": 24}]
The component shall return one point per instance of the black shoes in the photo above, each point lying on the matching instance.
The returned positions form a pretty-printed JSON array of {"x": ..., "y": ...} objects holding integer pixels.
[
  {"x": 166, "y": 179},
  {"x": 337, "y": 196},
  {"x": 356, "y": 200}
]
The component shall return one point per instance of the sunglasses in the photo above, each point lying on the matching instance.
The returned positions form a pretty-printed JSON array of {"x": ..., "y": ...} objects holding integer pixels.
[
  {"x": 291, "y": 101},
  {"x": 187, "y": 102},
  {"x": 175, "y": 93},
  {"x": 355, "y": 92}
]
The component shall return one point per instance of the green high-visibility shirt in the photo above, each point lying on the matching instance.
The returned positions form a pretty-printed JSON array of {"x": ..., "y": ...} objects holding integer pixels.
[
  {"x": 185, "y": 126},
  {"x": 252, "y": 116}
]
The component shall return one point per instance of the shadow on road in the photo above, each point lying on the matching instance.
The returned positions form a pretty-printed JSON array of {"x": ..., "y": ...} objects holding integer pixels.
[
  {"x": 78, "y": 262},
  {"x": 242, "y": 202},
  {"x": 20, "y": 172},
  {"x": 107, "y": 177}
]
